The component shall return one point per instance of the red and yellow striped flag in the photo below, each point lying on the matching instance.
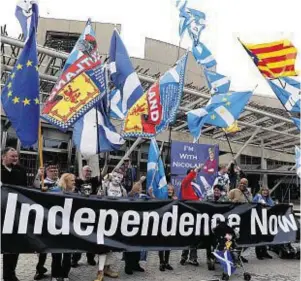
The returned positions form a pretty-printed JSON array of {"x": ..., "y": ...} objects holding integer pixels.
[{"x": 275, "y": 59}]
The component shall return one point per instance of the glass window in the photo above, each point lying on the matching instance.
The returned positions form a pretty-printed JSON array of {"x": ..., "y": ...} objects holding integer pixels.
[
  {"x": 256, "y": 161},
  {"x": 12, "y": 139},
  {"x": 61, "y": 159},
  {"x": 33, "y": 148},
  {"x": 58, "y": 144}
]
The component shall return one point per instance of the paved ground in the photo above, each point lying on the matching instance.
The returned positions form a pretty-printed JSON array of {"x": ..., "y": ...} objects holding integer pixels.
[{"x": 267, "y": 270}]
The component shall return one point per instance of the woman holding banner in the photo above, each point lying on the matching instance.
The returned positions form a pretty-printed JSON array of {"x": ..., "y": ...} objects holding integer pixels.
[
  {"x": 263, "y": 197},
  {"x": 164, "y": 255},
  {"x": 61, "y": 263}
]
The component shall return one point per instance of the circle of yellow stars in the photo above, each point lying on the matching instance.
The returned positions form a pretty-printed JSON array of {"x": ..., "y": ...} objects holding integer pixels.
[
  {"x": 16, "y": 99},
  {"x": 226, "y": 103}
]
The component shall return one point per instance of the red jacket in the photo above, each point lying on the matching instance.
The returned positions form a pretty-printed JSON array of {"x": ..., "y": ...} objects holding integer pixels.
[{"x": 187, "y": 189}]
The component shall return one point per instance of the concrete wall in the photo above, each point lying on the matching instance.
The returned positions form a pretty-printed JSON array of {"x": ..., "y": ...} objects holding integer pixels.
[{"x": 103, "y": 30}]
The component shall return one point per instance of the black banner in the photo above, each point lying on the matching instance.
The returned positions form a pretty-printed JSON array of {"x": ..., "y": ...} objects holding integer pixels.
[{"x": 33, "y": 221}]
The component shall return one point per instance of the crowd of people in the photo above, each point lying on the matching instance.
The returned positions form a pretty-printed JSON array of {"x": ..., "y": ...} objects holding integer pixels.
[{"x": 230, "y": 185}]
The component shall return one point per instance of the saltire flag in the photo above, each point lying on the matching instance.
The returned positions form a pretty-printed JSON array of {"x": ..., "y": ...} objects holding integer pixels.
[
  {"x": 298, "y": 161},
  {"x": 116, "y": 105},
  {"x": 226, "y": 261},
  {"x": 157, "y": 107},
  {"x": 275, "y": 59},
  {"x": 191, "y": 20},
  {"x": 234, "y": 128},
  {"x": 297, "y": 122},
  {"x": 20, "y": 95},
  {"x": 221, "y": 111},
  {"x": 185, "y": 18},
  {"x": 87, "y": 132},
  {"x": 156, "y": 182},
  {"x": 197, "y": 189},
  {"x": 80, "y": 86},
  {"x": 197, "y": 25},
  {"x": 123, "y": 74},
  {"x": 218, "y": 83},
  {"x": 203, "y": 56},
  {"x": 288, "y": 92},
  {"x": 25, "y": 13}
]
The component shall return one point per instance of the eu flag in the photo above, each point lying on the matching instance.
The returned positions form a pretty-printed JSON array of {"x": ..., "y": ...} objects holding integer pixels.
[{"x": 20, "y": 95}]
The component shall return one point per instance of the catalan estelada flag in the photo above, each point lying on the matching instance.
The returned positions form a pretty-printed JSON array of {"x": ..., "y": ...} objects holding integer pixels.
[{"x": 275, "y": 59}]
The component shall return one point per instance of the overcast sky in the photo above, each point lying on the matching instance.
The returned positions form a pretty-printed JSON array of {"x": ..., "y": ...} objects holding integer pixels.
[{"x": 255, "y": 21}]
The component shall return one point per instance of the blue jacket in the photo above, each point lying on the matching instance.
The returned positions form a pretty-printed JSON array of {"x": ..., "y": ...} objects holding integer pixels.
[{"x": 268, "y": 200}]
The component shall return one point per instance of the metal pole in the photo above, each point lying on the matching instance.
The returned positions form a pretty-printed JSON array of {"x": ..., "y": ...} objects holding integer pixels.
[
  {"x": 246, "y": 144},
  {"x": 276, "y": 185},
  {"x": 263, "y": 165},
  {"x": 80, "y": 163},
  {"x": 229, "y": 144},
  {"x": 135, "y": 144}
]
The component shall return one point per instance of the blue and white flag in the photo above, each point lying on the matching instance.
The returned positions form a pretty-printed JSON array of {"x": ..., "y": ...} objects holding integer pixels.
[
  {"x": 185, "y": 18},
  {"x": 226, "y": 261},
  {"x": 298, "y": 161},
  {"x": 27, "y": 15},
  {"x": 85, "y": 132},
  {"x": 20, "y": 95},
  {"x": 191, "y": 20},
  {"x": 288, "y": 92},
  {"x": 218, "y": 83},
  {"x": 197, "y": 25},
  {"x": 297, "y": 122},
  {"x": 156, "y": 182},
  {"x": 203, "y": 56},
  {"x": 221, "y": 111},
  {"x": 123, "y": 73},
  {"x": 116, "y": 105}
]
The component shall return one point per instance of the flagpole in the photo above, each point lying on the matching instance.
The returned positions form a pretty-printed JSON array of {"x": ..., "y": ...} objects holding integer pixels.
[
  {"x": 179, "y": 47},
  {"x": 169, "y": 148},
  {"x": 40, "y": 152}
]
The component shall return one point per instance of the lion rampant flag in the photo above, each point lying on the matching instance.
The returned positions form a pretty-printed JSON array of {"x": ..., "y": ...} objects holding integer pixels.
[
  {"x": 157, "y": 107},
  {"x": 81, "y": 85}
]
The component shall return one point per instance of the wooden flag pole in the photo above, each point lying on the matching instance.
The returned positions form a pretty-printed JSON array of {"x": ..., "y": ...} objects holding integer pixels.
[{"x": 40, "y": 152}]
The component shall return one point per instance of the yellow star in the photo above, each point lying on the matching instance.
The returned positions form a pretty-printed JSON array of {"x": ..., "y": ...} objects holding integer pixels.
[
  {"x": 9, "y": 94},
  {"x": 228, "y": 103},
  {"x": 29, "y": 63},
  {"x": 9, "y": 85},
  {"x": 13, "y": 75},
  {"x": 37, "y": 68},
  {"x": 212, "y": 116},
  {"x": 224, "y": 99},
  {"x": 36, "y": 100},
  {"x": 26, "y": 101},
  {"x": 16, "y": 100},
  {"x": 222, "y": 111},
  {"x": 229, "y": 94},
  {"x": 19, "y": 66}
]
